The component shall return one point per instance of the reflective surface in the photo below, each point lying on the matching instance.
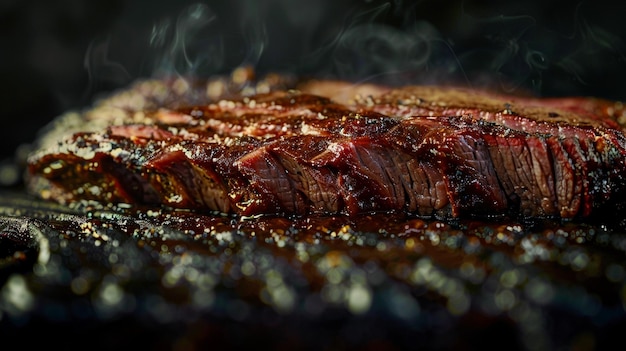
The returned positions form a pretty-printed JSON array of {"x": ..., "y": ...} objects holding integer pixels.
[{"x": 172, "y": 279}]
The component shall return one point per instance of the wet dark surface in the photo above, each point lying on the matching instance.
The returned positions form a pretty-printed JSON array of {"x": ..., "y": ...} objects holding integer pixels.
[
  {"x": 178, "y": 280},
  {"x": 102, "y": 279}
]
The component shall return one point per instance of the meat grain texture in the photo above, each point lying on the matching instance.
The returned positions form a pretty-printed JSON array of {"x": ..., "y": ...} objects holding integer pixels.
[{"x": 332, "y": 148}]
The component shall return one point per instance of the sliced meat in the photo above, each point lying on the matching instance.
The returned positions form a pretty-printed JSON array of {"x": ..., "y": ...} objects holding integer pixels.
[{"x": 423, "y": 151}]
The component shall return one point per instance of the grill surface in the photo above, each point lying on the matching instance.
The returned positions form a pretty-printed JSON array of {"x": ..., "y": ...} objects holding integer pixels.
[{"x": 176, "y": 278}]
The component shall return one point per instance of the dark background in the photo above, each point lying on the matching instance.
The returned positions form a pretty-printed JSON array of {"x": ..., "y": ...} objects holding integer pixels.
[{"x": 57, "y": 55}]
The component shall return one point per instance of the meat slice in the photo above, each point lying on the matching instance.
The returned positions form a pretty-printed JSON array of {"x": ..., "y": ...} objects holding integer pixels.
[{"x": 424, "y": 151}]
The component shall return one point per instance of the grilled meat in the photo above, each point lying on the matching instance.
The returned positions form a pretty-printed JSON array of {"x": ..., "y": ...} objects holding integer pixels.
[{"x": 425, "y": 151}]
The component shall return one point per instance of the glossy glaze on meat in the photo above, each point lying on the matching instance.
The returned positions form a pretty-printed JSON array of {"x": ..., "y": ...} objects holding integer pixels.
[{"x": 424, "y": 151}]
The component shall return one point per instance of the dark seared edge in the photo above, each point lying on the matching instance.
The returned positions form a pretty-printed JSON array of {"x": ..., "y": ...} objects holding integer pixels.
[{"x": 289, "y": 153}]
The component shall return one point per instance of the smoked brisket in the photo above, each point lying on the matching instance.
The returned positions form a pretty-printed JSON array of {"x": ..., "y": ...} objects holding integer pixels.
[{"x": 425, "y": 151}]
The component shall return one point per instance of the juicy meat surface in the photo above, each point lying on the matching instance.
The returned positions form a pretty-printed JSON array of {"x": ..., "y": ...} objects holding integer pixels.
[{"x": 425, "y": 151}]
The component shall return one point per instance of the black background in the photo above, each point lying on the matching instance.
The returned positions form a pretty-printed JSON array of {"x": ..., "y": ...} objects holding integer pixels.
[{"x": 57, "y": 55}]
